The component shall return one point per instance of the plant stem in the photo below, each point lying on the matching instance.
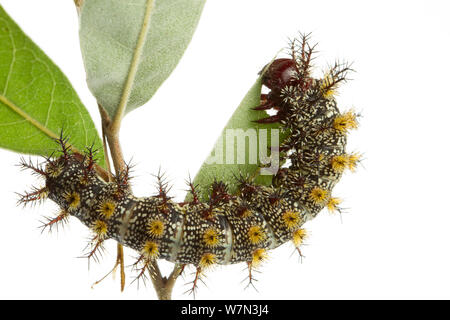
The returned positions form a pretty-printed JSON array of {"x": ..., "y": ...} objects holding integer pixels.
[
  {"x": 78, "y": 4},
  {"x": 163, "y": 286},
  {"x": 120, "y": 262},
  {"x": 132, "y": 72}
]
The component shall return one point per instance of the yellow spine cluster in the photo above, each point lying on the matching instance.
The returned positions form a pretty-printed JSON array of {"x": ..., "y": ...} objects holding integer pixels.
[
  {"x": 211, "y": 237},
  {"x": 207, "y": 260},
  {"x": 291, "y": 219},
  {"x": 54, "y": 169},
  {"x": 345, "y": 122},
  {"x": 353, "y": 160},
  {"x": 318, "y": 195},
  {"x": 150, "y": 250},
  {"x": 333, "y": 204},
  {"x": 73, "y": 199},
  {"x": 259, "y": 256},
  {"x": 299, "y": 236},
  {"x": 256, "y": 235},
  {"x": 106, "y": 208},
  {"x": 155, "y": 228},
  {"x": 339, "y": 163},
  {"x": 345, "y": 161},
  {"x": 100, "y": 228}
]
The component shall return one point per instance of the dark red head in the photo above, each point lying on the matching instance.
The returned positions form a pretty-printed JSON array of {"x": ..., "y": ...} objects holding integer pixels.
[{"x": 280, "y": 73}]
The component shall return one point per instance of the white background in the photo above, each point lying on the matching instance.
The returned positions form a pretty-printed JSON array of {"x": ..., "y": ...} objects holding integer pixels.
[{"x": 393, "y": 241}]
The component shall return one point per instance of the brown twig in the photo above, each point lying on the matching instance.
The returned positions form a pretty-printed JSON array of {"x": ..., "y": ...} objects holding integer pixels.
[
  {"x": 120, "y": 262},
  {"x": 164, "y": 285},
  {"x": 78, "y": 4},
  {"x": 105, "y": 128}
]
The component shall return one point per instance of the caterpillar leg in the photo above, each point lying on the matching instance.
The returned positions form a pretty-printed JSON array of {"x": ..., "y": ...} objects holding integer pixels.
[
  {"x": 269, "y": 119},
  {"x": 264, "y": 106}
]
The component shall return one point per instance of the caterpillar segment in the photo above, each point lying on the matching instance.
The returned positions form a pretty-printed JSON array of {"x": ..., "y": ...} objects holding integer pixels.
[{"x": 228, "y": 228}]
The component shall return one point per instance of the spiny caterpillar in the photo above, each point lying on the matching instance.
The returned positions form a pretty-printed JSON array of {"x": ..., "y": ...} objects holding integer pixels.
[{"x": 227, "y": 228}]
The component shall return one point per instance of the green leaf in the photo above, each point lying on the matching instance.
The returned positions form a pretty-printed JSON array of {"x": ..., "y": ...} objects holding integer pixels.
[
  {"x": 36, "y": 99},
  {"x": 241, "y": 123},
  {"x": 131, "y": 47}
]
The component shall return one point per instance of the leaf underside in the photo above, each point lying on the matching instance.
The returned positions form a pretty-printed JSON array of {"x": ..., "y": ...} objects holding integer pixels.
[
  {"x": 130, "y": 47},
  {"x": 37, "y": 101}
]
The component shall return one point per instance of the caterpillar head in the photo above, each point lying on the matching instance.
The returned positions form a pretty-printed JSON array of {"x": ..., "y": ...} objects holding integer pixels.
[{"x": 279, "y": 74}]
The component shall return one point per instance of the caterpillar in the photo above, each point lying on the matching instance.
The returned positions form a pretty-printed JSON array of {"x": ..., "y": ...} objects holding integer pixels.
[{"x": 227, "y": 228}]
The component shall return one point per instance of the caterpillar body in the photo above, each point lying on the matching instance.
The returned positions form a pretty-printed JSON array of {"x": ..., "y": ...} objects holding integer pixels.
[{"x": 228, "y": 228}]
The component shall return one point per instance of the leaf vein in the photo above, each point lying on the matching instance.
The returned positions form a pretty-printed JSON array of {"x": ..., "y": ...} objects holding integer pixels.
[{"x": 133, "y": 67}]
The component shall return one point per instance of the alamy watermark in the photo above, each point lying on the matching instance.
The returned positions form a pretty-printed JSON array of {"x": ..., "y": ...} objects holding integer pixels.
[{"x": 250, "y": 146}]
